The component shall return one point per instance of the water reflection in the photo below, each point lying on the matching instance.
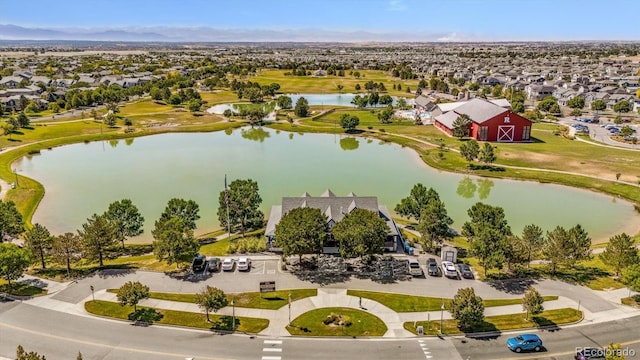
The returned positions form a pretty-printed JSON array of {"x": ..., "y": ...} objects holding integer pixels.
[
  {"x": 228, "y": 131},
  {"x": 466, "y": 188},
  {"x": 113, "y": 143},
  {"x": 128, "y": 141},
  {"x": 484, "y": 188},
  {"x": 290, "y": 136},
  {"x": 349, "y": 143},
  {"x": 255, "y": 134}
]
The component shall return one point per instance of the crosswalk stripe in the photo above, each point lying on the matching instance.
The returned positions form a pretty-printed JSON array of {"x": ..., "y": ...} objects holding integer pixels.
[
  {"x": 272, "y": 350},
  {"x": 277, "y": 342},
  {"x": 271, "y": 358}
]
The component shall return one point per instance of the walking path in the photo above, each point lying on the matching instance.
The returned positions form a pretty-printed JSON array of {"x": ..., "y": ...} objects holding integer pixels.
[{"x": 330, "y": 297}]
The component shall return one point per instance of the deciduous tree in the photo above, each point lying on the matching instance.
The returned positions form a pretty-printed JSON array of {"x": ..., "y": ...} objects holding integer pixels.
[
  {"x": 532, "y": 302},
  {"x": 126, "y": 219},
  {"x": 467, "y": 308},
  {"x": 187, "y": 210},
  {"x": 576, "y": 102},
  {"x": 130, "y": 293},
  {"x": 284, "y": 102},
  {"x": 532, "y": 239},
  {"x": 301, "y": 231},
  {"x": 211, "y": 299},
  {"x": 487, "y": 232},
  {"x": 349, "y": 122},
  {"x": 174, "y": 241},
  {"x": 10, "y": 220},
  {"x": 21, "y": 354},
  {"x": 302, "y": 107},
  {"x": 13, "y": 261},
  {"x": 434, "y": 223},
  {"x": 243, "y": 200},
  {"x": 631, "y": 277},
  {"x": 359, "y": 233},
  {"x": 418, "y": 198}
]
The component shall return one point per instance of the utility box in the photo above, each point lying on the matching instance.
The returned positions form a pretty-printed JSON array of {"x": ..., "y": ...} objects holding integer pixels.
[{"x": 449, "y": 253}]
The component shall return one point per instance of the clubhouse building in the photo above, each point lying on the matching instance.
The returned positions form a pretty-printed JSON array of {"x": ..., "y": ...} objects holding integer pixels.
[{"x": 334, "y": 208}]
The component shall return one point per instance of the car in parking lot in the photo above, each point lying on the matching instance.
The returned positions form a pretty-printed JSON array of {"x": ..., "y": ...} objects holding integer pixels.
[
  {"x": 432, "y": 267},
  {"x": 449, "y": 270},
  {"x": 199, "y": 263},
  {"x": 525, "y": 342},
  {"x": 214, "y": 264},
  {"x": 244, "y": 264},
  {"x": 228, "y": 264},
  {"x": 465, "y": 271},
  {"x": 590, "y": 354},
  {"x": 414, "y": 268}
]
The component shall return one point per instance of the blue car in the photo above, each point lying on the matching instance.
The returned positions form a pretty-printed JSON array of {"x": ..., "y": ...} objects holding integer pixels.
[{"x": 524, "y": 342}]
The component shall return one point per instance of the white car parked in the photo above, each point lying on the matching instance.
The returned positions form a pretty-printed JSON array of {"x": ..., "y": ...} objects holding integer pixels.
[
  {"x": 449, "y": 270},
  {"x": 244, "y": 264},
  {"x": 227, "y": 264}
]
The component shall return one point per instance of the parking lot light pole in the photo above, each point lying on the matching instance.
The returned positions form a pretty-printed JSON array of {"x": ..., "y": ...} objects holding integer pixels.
[
  {"x": 289, "y": 309},
  {"x": 441, "y": 315},
  {"x": 92, "y": 294},
  {"x": 233, "y": 312}
]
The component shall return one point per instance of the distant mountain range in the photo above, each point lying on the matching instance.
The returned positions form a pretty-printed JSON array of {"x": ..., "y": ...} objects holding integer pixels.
[{"x": 208, "y": 34}]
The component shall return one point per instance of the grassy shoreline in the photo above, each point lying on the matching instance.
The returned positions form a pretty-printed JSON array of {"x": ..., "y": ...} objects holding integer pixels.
[{"x": 28, "y": 196}]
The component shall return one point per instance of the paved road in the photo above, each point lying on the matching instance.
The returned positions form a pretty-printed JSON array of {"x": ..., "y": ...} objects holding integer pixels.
[
  {"x": 60, "y": 336},
  {"x": 559, "y": 344}
]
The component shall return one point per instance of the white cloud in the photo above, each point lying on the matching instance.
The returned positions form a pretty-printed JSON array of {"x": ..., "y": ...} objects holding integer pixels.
[{"x": 397, "y": 5}]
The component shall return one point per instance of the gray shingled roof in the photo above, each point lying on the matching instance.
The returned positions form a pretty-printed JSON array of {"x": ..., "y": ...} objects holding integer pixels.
[
  {"x": 337, "y": 206},
  {"x": 480, "y": 110},
  {"x": 333, "y": 207},
  {"x": 447, "y": 119}
]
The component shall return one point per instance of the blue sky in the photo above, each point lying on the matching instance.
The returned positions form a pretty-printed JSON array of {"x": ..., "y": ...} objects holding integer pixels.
[{"x": 485, "y": 20}]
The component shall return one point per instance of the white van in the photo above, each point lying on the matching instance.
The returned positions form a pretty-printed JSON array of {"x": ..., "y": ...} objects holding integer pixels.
[{"x": 414, "y": 268}]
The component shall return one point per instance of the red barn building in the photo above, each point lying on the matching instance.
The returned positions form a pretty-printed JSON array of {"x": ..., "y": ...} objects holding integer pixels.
[{"x": 489, "y": 122}]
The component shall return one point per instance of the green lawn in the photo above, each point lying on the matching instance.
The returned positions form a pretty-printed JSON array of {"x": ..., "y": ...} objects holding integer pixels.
[
  {"x": 413, "y": 303},
  {"x": 180, "y": 318},
  {"x": 254, "y": 300},
  {"x": 20, "y": 289},
  {"x": 362, "y": 323},
  {"x": 144, "y": 107},
  {"x": 328, "y": 84},
  {"x": 501, "y": 322}
]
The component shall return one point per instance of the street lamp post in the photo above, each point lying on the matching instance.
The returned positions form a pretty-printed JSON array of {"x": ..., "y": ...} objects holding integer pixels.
[
  {"x": 441, "y": 315},
  {"x": 15, "y": 172},
  {"x": 233, "y": 309},
  {"x": 289, "y": 309},
  {"x": 93, "y": 296}
]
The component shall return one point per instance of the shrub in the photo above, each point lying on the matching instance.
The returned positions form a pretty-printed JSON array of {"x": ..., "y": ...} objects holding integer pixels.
[
  {"x": 636, "y": 298},
  {"x": 247, "y": 245}
]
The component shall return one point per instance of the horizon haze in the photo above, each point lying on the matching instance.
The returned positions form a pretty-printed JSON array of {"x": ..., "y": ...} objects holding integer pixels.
[{"x": 326, "y": 21}]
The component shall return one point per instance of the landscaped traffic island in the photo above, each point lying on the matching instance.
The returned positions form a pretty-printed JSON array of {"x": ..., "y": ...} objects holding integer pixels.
[
  {"x": 500, "y": 322},
  {"x": 176, "y": 318},
  {"x": 337, "y": 321},
  {"x": 414, "y": 303}
]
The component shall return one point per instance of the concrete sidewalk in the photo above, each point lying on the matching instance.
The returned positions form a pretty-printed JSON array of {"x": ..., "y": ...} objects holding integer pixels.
[{"x": 330, "y": 297}]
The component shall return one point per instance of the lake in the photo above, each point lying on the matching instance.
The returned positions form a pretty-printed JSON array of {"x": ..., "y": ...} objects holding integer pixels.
[
  {"x": 82, "y": 179},
  {"x": 313, "y": 99}
]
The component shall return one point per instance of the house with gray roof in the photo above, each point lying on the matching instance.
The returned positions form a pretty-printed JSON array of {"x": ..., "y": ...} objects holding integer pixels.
[{"x": 334, "y": 208}]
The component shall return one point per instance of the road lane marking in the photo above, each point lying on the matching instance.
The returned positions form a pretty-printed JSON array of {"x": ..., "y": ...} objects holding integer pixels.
[
  {"x": 272, "y": 350},
  {"x": 277, "y": 342},
  {"x": 92, "y": 343},
  {"x": 271, "y": 358}
]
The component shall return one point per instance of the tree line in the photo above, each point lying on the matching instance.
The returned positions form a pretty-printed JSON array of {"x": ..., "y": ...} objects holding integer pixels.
[
  {"x": 496, "y": 247},
  {"x": 102, "y": 234}
]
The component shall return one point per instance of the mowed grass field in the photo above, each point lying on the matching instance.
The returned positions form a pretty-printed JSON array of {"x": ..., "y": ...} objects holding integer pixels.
[
  {"x": 548, "y": 151},
  {"x": 328, "y": 84}
]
